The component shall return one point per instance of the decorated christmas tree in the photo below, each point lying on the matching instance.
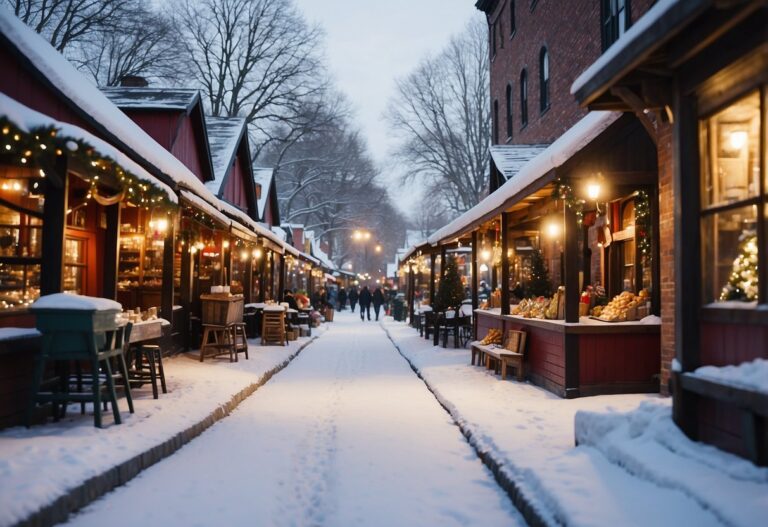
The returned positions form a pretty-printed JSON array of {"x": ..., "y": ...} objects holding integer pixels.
[
  {"x": 742, "y": 283},
  {"x": 450, "y": 292},
  {"x": 539, "y": 283}
]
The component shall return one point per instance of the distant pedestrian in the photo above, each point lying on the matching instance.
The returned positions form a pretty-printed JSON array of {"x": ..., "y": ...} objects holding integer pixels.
[
  {"x": 342, "y": 299},
  {"x": 289, "y": 299},
  {"x": 378, "y": 300},
  {"x": 365, "y": 303},
  {"x": 353, "y": 296}
]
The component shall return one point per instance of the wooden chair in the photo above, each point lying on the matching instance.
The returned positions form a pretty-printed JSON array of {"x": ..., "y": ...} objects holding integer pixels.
[
  {"x": 222, "y": 342},
  {"x": 273, "y": 327},
  {"x": 149, "y": 367}
]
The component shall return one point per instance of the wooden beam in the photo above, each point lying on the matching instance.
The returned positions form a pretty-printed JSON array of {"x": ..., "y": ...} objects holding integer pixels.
[
  {"x": 54, "y": 222},
  {"x": 504, "y": 263},
  {"x": 639, "y": 108},
  {"x": 571, "y": 265},
  {"x": 111, "y": 251},
  {"x": 432, "y": 280},
  {"x": 185, "y": 291},
  {"x": 166, "y": 293}
]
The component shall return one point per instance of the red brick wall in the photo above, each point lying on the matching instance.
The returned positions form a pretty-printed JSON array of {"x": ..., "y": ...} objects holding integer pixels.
[
  {"x": 666, "y": 251},
  {"x": 571, "y": 33}
]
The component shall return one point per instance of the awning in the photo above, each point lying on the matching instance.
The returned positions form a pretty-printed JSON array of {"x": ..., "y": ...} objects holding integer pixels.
[
  {"x": 509, "y": 159},
  {"x": 529, "y": 176}
]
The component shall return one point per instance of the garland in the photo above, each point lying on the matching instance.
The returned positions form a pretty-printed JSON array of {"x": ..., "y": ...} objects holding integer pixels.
[
  {"x": 40, "y": 146},
  {"x": 564, "y": 191},
  {"x": 643, "y": 225}
]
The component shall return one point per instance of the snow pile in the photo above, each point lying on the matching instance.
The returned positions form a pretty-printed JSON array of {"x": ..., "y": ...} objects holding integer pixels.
[
  {"x": 40, "y": 464},
  {"x": 76, "y": 302},
  {"x": 647, "y": 444},
  {"x": 18, "y": 333},
  {"x": 747, "y": 375},
  {"x": 529, "y": 433}
]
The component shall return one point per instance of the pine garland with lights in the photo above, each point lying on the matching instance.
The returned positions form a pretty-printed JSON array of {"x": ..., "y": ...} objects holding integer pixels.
[
  {"x": 643, "y": 226},
  {"x": 742, "y": 282},
  {"x": 539, "y": 283},
  {"x": 40, "y": 146},
  {"x": 564, "y": 190},
  {"x": 450, "y": 292}
]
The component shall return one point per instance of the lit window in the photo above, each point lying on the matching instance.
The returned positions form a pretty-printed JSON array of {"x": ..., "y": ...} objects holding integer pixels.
[{"x": 543, "y": 79}]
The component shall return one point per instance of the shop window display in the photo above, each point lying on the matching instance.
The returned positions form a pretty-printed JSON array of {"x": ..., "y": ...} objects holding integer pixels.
[{"x": 733, "y": 201}]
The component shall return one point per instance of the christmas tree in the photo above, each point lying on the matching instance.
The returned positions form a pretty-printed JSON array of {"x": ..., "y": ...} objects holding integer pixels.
[
  {"x": 450, "y": 292},
  {"x": 742, "y": 283},
  {"x": 539, "y": 284}
]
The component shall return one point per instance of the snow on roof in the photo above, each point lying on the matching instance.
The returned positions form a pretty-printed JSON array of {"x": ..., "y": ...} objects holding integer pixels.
[
  {"x": 509, "y": 159},
  {"x": 28, "y": 119},
  {"x": 152, "y": 98},
  {"x": 391, "y": 270},
  {"x": 747, "y": 375},
  {"x": 280, "y": 232},
  {"x": 85, "y": 95},
  {"x": 76, "y": 302},
  {"x": 224, "y": 134},
  {"x": 263, "y": 176},
  {"x": 625, "y": 41},
  {"x": 317, "y": 252},
  {"x": 568, "y": 144}
]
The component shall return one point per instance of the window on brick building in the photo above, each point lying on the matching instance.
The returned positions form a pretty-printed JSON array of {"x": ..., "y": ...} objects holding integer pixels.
[
  {"x": 512, "y": 22},
  {"x": 493, "y": 40},
  {"x": 543, "y": 79},
  {"x": 734, "y": 194},
  {"x": 615, "y": 19},
  {"x": 523, "y": 98},
  {"x": 496, "y": 122},
  {"x": 509, "y": 111}
]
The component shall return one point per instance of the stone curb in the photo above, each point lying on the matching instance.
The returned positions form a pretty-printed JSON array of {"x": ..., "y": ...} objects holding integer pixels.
[
  {"x": 97, "y": 486},
  {"x": 525, "y": 505}
]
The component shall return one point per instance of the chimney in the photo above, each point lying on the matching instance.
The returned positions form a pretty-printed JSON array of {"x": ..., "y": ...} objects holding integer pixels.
[{"x": 134, "y": 81}]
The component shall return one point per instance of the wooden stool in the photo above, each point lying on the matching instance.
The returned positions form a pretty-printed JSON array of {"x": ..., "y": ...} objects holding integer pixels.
[
  {"x": 149, "y": 366},
  {"x": 273, "y": 327},
  {"x": 239, "y": 338},
  {"x": 222, "y": 341}
]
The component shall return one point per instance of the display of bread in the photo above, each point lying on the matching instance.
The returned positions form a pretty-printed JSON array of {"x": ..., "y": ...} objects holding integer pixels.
[
  {"x": 622, "y": 307},
  {"x": 493, "y": 337},
  {"x": 532, "y": 307}
]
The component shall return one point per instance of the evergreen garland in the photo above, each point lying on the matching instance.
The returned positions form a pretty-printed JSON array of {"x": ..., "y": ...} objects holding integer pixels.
[
  {"x": 643, "y": 226},
  {"x": 564, "y": 191},
  {"x": 450, "y": 292},
  {"x": 539, "y": 283}
]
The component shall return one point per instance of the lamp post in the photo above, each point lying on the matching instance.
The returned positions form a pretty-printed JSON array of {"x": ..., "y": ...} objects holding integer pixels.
[{"x": 364, "y": 237}]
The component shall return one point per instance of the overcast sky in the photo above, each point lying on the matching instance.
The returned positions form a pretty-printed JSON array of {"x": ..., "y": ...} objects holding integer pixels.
[{"x": 370, "y": 43}]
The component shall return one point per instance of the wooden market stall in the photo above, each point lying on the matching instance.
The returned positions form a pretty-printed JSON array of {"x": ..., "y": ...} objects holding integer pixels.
[{"x": 574, "y": 223}]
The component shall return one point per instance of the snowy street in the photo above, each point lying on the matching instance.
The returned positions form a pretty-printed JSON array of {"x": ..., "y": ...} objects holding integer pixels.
[{"x": 346, "y": 435}]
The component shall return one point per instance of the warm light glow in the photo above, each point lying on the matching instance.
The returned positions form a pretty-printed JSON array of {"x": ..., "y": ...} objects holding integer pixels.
[
  {"x": 199, "y": 245},
  {"x": 485, "y": 254},
  {"x": 193, "y": 249},
  {"x": 243, "y": 256},
  {"x": 378, "y": 248},
  {"x": 593, "y": 191},
  {"x": 257, "y": 253},
  {"x": 357, "y": 235},
  {"x": 226, "y": 244},
  {"x": 738, "y": 139},
  {"x": 367, "y": 235},
  {"x": 553, "y": 229},
  {"x": 483, "y": 268}
]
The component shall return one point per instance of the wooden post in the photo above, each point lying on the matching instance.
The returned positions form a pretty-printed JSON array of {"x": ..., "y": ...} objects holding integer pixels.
[
  {"x": 111, "y": 251},
  {"x": 185, "y": 291},
  {"x": 281, "y": 280},
  {"x": 432, "y": 280},
  {"x": 653, "y": 196},
  {"x": 166, "y": 294},
  {"x": 54, "y": 226},
  {"x": 504, "y": 263},
  {"x": 474, "y": 284},
  {"x": 411, "y": 292},
  {"x": 443, "y": 257},
  {"x": 571, "y": 265},
  {"x": 262, "y": 272},
  {"x": 226, "y": 254},
  {"x": 248, "y": 281}
]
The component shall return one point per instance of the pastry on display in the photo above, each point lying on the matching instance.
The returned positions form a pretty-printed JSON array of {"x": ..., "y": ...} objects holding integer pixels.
[{"x": 623, "y": 307}]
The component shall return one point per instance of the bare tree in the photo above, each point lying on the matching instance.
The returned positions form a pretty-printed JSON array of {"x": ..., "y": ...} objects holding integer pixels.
[
  {"x": 64, "y": 22},
  {"x": 253, "y": 58},
  {"x": 442, "y": 115}
]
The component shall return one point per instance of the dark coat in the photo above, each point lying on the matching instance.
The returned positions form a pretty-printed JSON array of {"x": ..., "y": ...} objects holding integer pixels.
[
  {"x": 378, "y": 297},
  {"x": 365, "y": 297},
  {"x": 353, "y": 296}
]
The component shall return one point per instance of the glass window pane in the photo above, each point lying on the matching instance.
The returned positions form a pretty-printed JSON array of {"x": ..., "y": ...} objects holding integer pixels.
[
  {"x": 19, "y": 285},
  {"x": 730, "y": 255},
  {"x": 731, "y": 153}
]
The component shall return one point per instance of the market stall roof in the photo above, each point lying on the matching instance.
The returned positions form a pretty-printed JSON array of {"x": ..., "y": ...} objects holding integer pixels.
[
  {"x": 224, "y": 136},
  {"x": 317, "y": 252},
  {"x": 153, "y": 98},
  {"x": 509, "y": 159},
  {"x": 263, "y": 177},
  {"x": 659, "y": 24},
  {"x": 27, "y": 119},
  {"x": 424, "y": 245},
  {"x": 106, "y": 119},
  {"x": 531, "y": 177}
]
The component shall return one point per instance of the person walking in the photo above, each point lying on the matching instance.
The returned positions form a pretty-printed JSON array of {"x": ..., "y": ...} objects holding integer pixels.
[
  {"x": 378, "y": 300},
  {"x": 353, "y": 296},
  {"x": 365, "y": 303},
  {"x": 342, "y": 299}
]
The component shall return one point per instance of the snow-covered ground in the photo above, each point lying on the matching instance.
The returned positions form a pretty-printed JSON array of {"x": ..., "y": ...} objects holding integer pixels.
[
  {"x": 633, "y": 467},
  {"x": 40, "y": 464},
  {"x": 346, "y": 435}
]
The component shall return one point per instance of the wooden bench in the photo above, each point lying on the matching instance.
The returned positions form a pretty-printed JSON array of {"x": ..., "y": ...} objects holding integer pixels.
[{"x": 511, "y": 355}]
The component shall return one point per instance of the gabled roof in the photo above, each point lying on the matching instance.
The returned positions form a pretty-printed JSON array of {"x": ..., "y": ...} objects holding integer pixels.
[
  {"x": 185, "y": 100},
  {"x": 150, "y": 98},
  {"x": 224, "y": 136},
  {"x": 509, "y": 159},
  {"x": 265, "y": 177}
]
